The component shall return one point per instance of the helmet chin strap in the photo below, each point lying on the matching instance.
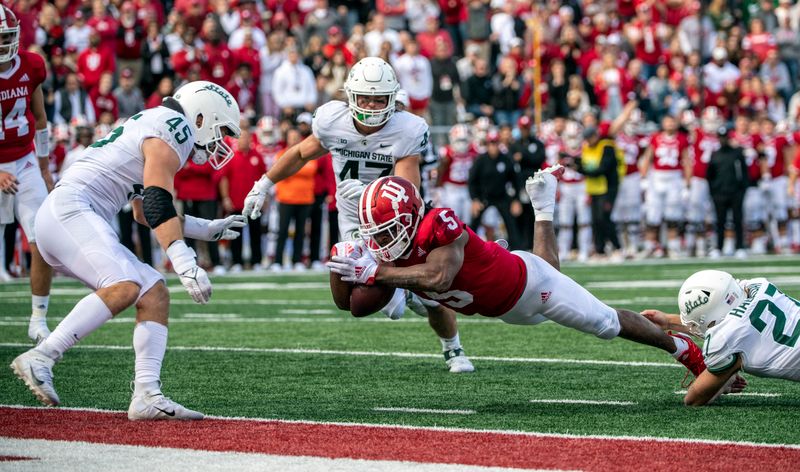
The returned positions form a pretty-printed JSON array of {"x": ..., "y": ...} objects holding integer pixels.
[{"x": 199, "y": 155}]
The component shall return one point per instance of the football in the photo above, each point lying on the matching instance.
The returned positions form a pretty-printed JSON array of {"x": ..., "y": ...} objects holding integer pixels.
[{"x": 360, "y": 300}]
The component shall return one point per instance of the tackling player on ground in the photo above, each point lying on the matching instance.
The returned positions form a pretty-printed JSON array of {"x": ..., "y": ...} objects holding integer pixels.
[
  {"x": 748, "y": 325},
  {"x": 367, "y": 140},
  {"x": 438, "y": 257},
  {"x": 24, "y": 174},
  {"x": 136, "y": 162}
]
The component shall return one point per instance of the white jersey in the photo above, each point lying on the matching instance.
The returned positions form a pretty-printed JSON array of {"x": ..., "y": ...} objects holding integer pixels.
[
  {"x": 764, "y": 330},
  {"x": 110, "y": 171},
  {"x": 367, "y": 158}
]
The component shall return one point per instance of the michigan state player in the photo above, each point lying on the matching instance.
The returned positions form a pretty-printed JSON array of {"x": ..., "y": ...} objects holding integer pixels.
[
  {"x": 367, "y": 139},
  {"x": 748, "y": 325},
  {"x": 136, "y": 162}
]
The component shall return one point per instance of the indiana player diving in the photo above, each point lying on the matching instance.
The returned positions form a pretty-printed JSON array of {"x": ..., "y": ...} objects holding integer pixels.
[
  {"x": 440, "y": 258},
  {"x": 24, "y": 160},
  {"x": 367, "y": 140},
  {"x": 136, "y": 162},
  {"x": 748, "y": 325}
]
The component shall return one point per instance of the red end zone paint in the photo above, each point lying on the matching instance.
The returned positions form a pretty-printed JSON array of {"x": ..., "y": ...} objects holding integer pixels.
[{"x": 386, "y": 443}]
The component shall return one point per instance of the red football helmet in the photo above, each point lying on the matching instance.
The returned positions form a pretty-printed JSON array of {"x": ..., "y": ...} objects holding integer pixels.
[
  {"x": 389, "y": 212},
  {"x": 9, "y": 34}
]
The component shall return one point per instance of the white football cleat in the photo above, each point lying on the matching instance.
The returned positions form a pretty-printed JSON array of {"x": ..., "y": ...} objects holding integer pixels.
[
  {"x": 458, "y": 362},
  {"x": 36, "y": 370},
  {"x": 155, "y": 406},
  {"x": 38, "y": 330}
]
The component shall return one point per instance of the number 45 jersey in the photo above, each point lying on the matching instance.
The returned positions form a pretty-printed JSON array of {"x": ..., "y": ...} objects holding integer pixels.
[
  {"x": 764, "y": 330},
  {"x": 367, "y": 158},
  {"x": 490, "y": 281},
  {"x": 110, "y": 171}
]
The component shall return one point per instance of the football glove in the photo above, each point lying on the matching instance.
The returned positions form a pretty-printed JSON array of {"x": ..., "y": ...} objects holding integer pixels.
[
  {"x": 213, "y": 230},
  {"x": 541, "y": 189},
  {"x": 254, "y": 201},
  {"x": 351, "y": 249},
  {"x": 193, "y": 278},
  {"x": 349, "y": 189},
  {"x": 356, "y": 271}
]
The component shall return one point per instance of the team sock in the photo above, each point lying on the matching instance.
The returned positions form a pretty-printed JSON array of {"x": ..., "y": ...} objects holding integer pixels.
[
  {"x": 149, "y": 345},
  {"x": 448, "y": 344},
  {"x": 89, "y": 314},
  {"x": 39, "y": 305},
  {"x": 682, "y": 346}
]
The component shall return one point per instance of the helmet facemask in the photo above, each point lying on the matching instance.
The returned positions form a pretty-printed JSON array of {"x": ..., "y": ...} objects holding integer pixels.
[
  {"x": 389, "y": 212},
  {"x": 9, "y": 44},
  {"x": 367, "y": 116},
  {"x": 371, "y": 77},
  {"x": 215, "y": 151},
  {"x": 388, "y": 241}
]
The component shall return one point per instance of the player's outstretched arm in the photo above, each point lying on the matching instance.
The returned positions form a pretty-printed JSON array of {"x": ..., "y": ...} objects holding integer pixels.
[
  {"x": 436, "y": 274},
  {"x": 544, "y": 243},
  {"x": 709, "y": 385},
  {"x": 408, "y": 168},
  {"x": 161, "y": 163},
  {"x": 289, "y": 164},
  {"x": 665, "y": 321}
]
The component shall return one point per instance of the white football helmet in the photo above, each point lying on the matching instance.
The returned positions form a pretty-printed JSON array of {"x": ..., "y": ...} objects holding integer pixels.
[
  {"x": 267, "y": 130},
  {"x": 459, "y": 137},
  {"x": 706, "y": 297},
  {"x": 9, "y": 34},
  {"x": 634, "y": 123},
  {"x": 217, "y": 113},
  {"x": 711, "y": 120},
  {"x": 688, "y": 119},
  {"x": 371, "y": 76},
  {"x": 572, "y": 135}
]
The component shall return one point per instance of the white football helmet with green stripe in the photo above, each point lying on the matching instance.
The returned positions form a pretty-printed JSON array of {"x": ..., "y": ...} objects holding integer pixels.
[
  {"x": 706, "y": 297},
  {"x": 371, "y": 76}
]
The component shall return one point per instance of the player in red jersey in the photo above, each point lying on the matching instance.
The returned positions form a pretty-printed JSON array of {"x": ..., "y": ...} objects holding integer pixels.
[
  {"x": 667, "y": 156},
  {"x": 700, "y": 208},
  {"x": 627, "y": 213},
  {"x": 455, "y": 163},
  {"x": 439, "y": 258},
  {"x": 24, "y": 161},
  {"x": 755, "y": 214},
  {"x": 776, "y": 149}
]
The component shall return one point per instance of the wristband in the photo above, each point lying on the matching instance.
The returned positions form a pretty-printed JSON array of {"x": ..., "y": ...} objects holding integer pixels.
[
  {"x": 41, "y": 140},
  {"x": 195, "y": 228},
  {"x": 543, "y": 216},
  {"x": 181, "y": 256}
]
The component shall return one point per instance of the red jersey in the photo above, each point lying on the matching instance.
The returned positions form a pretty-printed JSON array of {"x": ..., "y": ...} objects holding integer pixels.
[
  {"x": 776, "y": 149},
  {"x": 749, "y": 143},
  {"x": 567, "y": 157},
  {"x": 704, "y": 145},
  {"x": 458, "y": 164},
  {"x": 667, "y": 150},
  {"x": 17, "y": 123},
  {"x": 244, "y": 169},
  {"x": 491, "y": 279},
  {"x": 631, "y": 147}
]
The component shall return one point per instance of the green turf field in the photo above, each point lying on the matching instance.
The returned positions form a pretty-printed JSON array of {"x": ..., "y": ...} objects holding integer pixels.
[{"x": 276, "y": 347}]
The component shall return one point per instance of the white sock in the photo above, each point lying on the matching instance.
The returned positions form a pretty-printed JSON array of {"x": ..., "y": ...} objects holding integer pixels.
[
  {"x": 682, "y": 346},
  {"x": 584, "y": 239},
  {"x": 39, "y": 305},
  {"x": 89, "y": 314},
  {"x": 794, "y": 231},
  {"x": 674, "y": 246},
  {"x": 149, "y": 344},
  {"x": 448, "y": 344},
  {"x": 634, "y": 235}
]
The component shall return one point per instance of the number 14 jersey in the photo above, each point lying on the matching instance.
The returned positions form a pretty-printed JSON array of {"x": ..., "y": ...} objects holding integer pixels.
[
  {"x": 366, "y": 158},
  {"x": 764, "y": 330},
  {"x": 17, "y": 123},
  {"x": 110, "y": 171}
]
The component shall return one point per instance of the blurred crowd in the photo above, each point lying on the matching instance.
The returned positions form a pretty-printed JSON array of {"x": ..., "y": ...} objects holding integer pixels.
[{"x": 655, "y": 79}]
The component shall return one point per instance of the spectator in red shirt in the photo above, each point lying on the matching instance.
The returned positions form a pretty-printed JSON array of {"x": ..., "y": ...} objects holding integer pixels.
[
  {"x": 248, "y": 54},
  {"x": 216, "y": 58},
  {"x": 94, "y": 61},
  {"x": 165, "y": 89},
  {"x": 455, "y": 15},
  {"x": 105, "y": 25},
  {"x": 244, "y": 89},
  {"x": 103, "y": 99},
  {"x": 758, "y": 41},
  {"x": 428, "y": 39},
  {"x": 238, "y": 176},
  {"x": 336, "y": 42},
  {"x": 129, "y": 40}
]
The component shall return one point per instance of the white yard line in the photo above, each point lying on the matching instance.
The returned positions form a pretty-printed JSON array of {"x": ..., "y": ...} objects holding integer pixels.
[
  {"x": 423, "y": 410},
  {"x": 741, "y": 394},
  {"x": 668, "y": 283},
  {"x": 585, "y": 402},
  {"x": 330, "y": 352},
  {"x": 533, "y": 434}
]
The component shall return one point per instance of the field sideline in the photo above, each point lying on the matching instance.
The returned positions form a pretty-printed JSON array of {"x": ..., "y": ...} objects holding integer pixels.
[{"x": 320, "y": 385}]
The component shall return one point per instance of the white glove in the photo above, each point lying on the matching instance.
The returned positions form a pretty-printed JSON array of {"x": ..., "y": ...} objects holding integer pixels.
[
  {"x": 193, "y": 278},
  {"x": 350, "y": 189},
  {"x": 351, "y": 249},
  {"x": 254, "y": 201},
  {"x": 357, "y": 271},
  {"x": 541, "y": 189},
  {"x": 213, "y": 230}
]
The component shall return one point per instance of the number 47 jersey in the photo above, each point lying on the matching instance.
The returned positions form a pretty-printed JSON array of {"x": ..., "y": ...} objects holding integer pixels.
[
  {"x": 367, "y": 158},
  {"x": 764, "y": 330},
  {"x": 110, "y": 171}
]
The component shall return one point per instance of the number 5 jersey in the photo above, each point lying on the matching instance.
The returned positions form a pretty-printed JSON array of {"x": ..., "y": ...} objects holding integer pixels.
[
  {"x": 764, "y": 330},
  {"x": 110, "y": 171}
]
